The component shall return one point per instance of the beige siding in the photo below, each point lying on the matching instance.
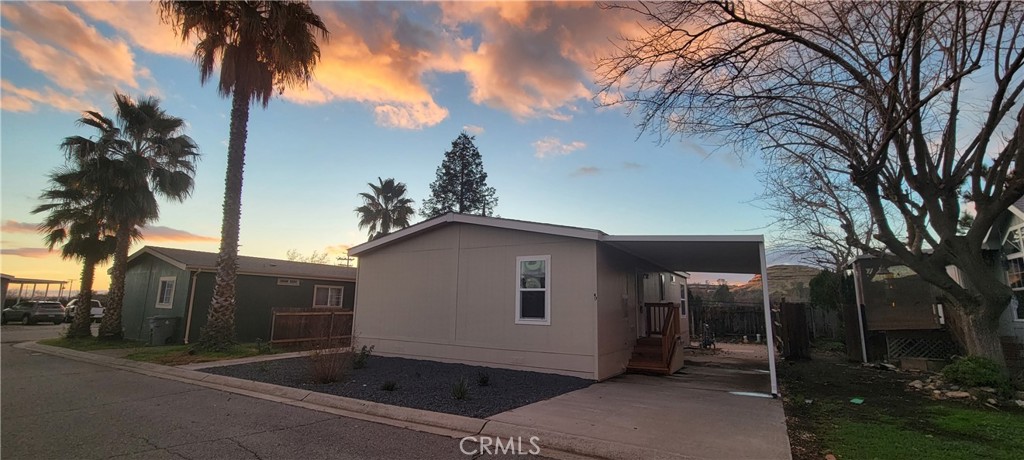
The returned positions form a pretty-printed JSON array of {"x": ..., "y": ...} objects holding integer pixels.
[
  {"x": 616, "y": 310},
  {"x": 449, "y": 294}
]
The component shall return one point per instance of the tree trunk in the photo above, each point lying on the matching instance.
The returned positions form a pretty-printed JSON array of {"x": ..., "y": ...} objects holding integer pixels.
[
  {"x": 80, "y": 326},
  {"x": 219, "y": 331},
  {"x": 978, "y": 335},
  {"x": 110, "y": 327}
]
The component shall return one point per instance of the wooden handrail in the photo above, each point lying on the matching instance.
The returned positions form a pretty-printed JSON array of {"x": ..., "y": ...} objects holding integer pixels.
[{"x": 668, "y": 335}]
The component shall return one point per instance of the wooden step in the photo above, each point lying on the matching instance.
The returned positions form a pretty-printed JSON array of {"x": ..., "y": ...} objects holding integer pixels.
[
  {"x": 649, "y": 341},
  {"x": 647, "y": 367}
]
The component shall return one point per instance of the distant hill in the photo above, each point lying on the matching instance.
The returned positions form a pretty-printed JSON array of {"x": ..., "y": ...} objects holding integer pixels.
[{"x": 789, "y": 281}]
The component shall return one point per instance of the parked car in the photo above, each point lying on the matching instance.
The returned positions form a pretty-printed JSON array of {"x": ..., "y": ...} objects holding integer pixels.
[
  {"x": 32, "y": 311},
  {"x": 96, "y": 312}
]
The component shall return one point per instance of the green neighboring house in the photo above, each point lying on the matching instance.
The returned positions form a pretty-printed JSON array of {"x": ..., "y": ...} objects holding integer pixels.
[{"x": 179, "y": 283}]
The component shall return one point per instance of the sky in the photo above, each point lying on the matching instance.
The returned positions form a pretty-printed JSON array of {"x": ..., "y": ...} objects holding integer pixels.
[{"x": 396, "y": 84}]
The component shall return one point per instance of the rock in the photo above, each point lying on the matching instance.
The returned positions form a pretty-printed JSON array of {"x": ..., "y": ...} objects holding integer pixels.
[
  {"x": 1019, "y": 395},
  {"x": 916, "y": 384},
  {"x": 929, "y": 387},
  {"x": 988, "y": 389},
  {"x": 1019, "y": 403},
  {"x": 889, "y": 366},
  {"x": 991, "y": 401},
  {"x": 954, "y": 387},
  {"x": 958, "y": 394},
  {"x": 830, "y": 457}
]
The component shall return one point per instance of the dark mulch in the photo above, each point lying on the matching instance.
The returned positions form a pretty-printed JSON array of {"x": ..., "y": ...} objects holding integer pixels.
[{"x": 420, "y": 384}]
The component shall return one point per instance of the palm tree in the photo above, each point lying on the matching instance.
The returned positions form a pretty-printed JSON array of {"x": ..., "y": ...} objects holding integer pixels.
[
  {"x": 152, "y": 157},
  {"x": 75, "y": 219},
  {"x": 385, "y": 209},
  {"x": 258, "y": 46}
]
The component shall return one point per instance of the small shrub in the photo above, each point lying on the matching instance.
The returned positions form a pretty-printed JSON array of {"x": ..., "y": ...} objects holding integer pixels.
[
  {"x": 483, "y": 379},
  {"x": 262, "y": 347},
  {"x": 975, "y": 371},
  {"x": 460, "y": 390},
  {"x": 389, "y": 385},
  {"x": 362, "y": 357},
  {"x": 328, "y": 366}
]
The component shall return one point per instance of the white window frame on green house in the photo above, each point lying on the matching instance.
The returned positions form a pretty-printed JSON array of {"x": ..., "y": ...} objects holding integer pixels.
[
  {"x": 521, "y": 289},
  {"x": 329, "y": 287},
  {"x": 161, "y": 300},
  {"x": 1013, "y": 248}
]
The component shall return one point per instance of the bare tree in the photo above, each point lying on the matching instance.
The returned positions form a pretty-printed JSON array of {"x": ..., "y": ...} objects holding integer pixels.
[
  {"x": 315, "y": 258},
  {"x": 898, "y": 114}
]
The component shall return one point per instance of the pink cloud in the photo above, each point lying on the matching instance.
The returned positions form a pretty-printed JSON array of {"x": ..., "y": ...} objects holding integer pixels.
[
  {"x": 553, "y": 147},
  {"x": 586, "y": 171},
  {"x": 157, "y": 233},
  {"x": 34, "y": 253},
  {"x": 13, "y": 226},
  {"x": 15, "y": 99}
]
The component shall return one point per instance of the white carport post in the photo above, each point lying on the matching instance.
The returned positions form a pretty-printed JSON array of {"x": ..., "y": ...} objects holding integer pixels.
[{"x": 768, "y": 321}]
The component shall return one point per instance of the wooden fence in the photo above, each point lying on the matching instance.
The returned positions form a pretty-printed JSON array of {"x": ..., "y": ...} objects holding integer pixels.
[
  {"x": 297, "y": 327},
  {"x": 736, "y": 319}
]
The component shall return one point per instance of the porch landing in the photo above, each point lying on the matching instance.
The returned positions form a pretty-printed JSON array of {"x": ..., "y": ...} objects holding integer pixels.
[{"x": 691, "y": 414}]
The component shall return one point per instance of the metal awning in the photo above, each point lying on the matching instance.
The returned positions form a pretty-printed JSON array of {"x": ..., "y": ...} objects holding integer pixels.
[{"x": 714, "y": 253}]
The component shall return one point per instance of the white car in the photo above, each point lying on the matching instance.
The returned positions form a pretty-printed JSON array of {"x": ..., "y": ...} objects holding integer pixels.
[{"x": 96, "y": 312}]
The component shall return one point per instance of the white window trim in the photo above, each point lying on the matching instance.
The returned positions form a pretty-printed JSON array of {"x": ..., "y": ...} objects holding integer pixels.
[
  {"x": 546, "y": 321},
  {"x": 159, "y": 291},
  {"x": 328, "y": 287}
]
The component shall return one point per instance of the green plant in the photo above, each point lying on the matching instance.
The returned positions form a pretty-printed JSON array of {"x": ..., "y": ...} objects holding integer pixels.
[
  {"x": 483, "y": 379},
  {"x": 362, "y": 357},
  {"x": 262, "y": 347},
  {"x": 975, "y": 371},
  {"x": 389, "y": 385},
  {"x": 460, "y": 390}
]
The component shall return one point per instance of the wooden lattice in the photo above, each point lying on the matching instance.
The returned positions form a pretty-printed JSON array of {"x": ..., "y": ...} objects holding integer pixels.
[{"x": 907, "y": 347}]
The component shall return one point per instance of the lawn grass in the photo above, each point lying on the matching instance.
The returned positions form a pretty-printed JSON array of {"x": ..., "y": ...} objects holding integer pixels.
[
  {"x": 169, "y": 355},
  {"x": 176, "y": 355},
  {"x": 892, "y": 423}
]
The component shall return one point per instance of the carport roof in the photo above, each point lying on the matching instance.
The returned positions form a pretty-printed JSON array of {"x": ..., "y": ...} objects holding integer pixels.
[{"x": 682, "y": 253}]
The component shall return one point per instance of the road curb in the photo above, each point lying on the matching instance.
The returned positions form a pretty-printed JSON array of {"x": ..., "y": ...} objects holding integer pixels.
[{"x": 553, "y": 444}]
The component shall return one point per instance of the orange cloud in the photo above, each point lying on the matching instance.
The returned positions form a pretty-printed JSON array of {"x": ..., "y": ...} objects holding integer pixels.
[
  {"x": 535, "y": 59},
  {"x": 59, "y": 44},
  {"x": 34, "y": 253},
  {"x": 140, "y": 22},
  {"x": 157, "y": 233}
]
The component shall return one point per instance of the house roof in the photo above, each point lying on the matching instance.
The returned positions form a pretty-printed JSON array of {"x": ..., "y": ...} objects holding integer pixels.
[
  {"x": 683, "y": 253},
  {"x": 198, "y": 260}
]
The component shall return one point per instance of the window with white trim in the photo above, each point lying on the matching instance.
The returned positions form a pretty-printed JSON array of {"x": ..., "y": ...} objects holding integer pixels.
[
  {"x": 533, "y": 290},
  {"x": 165, "y": 292},
  {"x": 328, "y": 296},
  {"x": 1013, "y": 248}
]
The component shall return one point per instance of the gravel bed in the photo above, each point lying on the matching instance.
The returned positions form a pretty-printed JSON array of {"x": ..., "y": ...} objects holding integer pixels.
[{"x": 420, "y": 384}]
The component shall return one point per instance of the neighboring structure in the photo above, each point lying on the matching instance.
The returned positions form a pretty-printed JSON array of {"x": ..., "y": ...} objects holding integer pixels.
[
  {"x": 8, "y": 281},
  {"x": 5, "y": 282},
  {"x": 526, "y": 295},
  {"x": 179, "y": 283},
  {"x": 897, "y": 315},
  {"x": 893, "y": 298}
]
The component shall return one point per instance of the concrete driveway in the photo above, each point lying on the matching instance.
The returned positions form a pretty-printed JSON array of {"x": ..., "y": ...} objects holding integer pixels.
[
  {"x": 702, "y": 412},
  {"x": 13, "y": 333}
]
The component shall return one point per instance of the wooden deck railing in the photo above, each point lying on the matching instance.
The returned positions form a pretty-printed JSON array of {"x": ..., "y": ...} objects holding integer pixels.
[
  {"x": 291, "y": 327},
  {"x": 657, "y": 312},
  {"x": 669, "y": 334}
]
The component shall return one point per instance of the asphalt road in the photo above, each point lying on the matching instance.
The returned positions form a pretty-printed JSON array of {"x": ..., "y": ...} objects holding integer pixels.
[
  {"x": 57, "y": 408},
  {"x": 10, "y": 333}
]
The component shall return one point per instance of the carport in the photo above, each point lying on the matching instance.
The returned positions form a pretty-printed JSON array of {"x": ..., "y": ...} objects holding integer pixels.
[{"x": 707, "y": 253}]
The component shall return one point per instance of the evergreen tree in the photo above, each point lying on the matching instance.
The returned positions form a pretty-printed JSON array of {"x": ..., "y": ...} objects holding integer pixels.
[{"x": 461, "y": 184}]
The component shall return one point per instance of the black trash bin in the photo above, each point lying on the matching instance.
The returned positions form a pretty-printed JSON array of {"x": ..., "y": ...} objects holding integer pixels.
[{"x": 161, "y": 329}]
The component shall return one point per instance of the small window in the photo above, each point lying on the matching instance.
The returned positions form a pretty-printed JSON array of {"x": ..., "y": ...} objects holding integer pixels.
[
  {"x": 165, "y": 294},
  {"x": 287, "y": 282},
  {"x": 328, "y": 296},
  {"x": 533, "y": 294}
]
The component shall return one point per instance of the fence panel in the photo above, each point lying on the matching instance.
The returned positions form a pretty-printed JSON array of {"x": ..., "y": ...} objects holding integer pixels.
[{"x": 295, "y": 327}]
